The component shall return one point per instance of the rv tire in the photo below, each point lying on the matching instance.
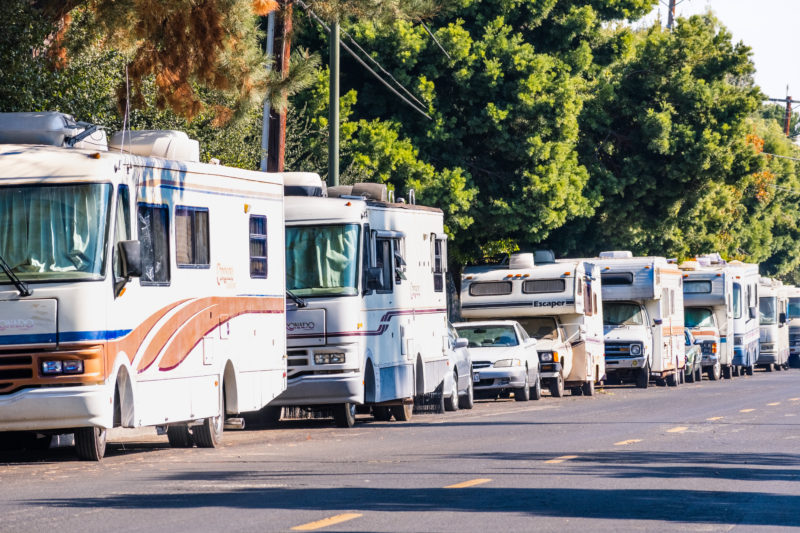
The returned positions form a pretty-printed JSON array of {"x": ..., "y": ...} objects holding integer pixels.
[
  {"x": 344, "y": 415},
  {"x": 750, "y": 370},
  {"x": 714, "y": 372},
  {"x": 179, "y": 436},
  {"x": 467, "y": 401},
  {"x": 451, "y": 403},
  {"x": 778, "y": 367},
  {"x": 576, "y": 391},
  {"x": 381, "y": 413},
  {"x": 209, "y": 433},
  {"x": 643, "y": 377},
  {"x": 90, "y": 443},
  {"x": 403, "y": 413},
  {"x": 523, "y": 394},
  {"x": 557, "y": 387},
  {"x": 588, "y": 388},
  {"x": 727, "y": 372}
]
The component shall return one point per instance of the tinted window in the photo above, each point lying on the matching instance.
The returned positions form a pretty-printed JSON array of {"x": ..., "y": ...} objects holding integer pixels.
[
  {"x": 698, "y": 318},
  {"x": 621, "y": 314},
  {"x": 617, "y": 278},
  {"x": 258, "y": 246},
  {"x": 191, "y": 237},
  {"x": 153, "y": 224}
]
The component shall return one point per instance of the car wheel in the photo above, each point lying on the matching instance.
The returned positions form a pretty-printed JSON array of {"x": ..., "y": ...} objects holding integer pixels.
[
  {"x": 451, "y": 403},
  {"x": 536, "y": 390},
  {"x": 467, "y": 401},
  {"x": 523, "y": 394}
]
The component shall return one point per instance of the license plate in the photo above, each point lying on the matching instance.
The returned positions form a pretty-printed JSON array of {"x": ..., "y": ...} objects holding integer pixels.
[{"x": 476, "y": 377}]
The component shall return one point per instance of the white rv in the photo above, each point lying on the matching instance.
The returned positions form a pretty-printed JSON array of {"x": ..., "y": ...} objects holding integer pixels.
[
  {"x": 745, "y": 316},
  {"x": 773, "y": 301},
  {"x": 556, "y": 303},
  {"x": 135, "y": 289},
  {"x": 367, "y": 322},
  {"x": 643, "y": 316},
  {"x": 708, "y": 312},
  {"x": 793, "y": 317}
]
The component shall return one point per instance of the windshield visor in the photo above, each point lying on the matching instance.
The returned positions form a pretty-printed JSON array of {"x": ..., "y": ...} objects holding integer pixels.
[
  {"x": 483, "y": 336},
  {"x": 622, "y": 314},
  {"x": 698, "y": 318},
  {"x": 54, "y": 232},
  {"x": 767, "y": 310},
  {"x": 322, "y": 260}
]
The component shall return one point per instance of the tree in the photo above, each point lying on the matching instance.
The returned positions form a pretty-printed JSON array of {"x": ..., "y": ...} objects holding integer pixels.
[{"x": 777, "y": 113}]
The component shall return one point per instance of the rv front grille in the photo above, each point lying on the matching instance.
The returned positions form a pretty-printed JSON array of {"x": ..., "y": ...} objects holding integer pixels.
[
  {"x": 618, "y": 349},
  {"x": 297, "y": 361},
  {"x": 14, "y": 367},
  {"x": 481, "y": 364}
]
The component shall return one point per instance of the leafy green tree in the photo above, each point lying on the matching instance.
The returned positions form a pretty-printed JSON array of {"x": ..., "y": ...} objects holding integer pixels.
[{"x": 777, "y": 113}]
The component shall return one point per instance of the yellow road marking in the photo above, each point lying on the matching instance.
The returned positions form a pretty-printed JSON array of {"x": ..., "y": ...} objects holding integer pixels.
[
  {"x": 715, "y": 418},
  {"x": 774, "y": 403},
  {"x": 746, "y": 410},
  {"x": 470, "y": 483},
  {"x": 561, "y": 459},
  {"x": 677, "y": 429},
  {"x": 325, "y": 522},
  {"x": 626, "y": 442}
]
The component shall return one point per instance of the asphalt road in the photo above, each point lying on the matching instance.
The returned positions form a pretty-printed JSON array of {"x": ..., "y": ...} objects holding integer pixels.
[{"x": 716, "y": 456}]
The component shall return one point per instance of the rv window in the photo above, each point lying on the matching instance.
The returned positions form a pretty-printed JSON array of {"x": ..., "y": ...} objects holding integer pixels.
[
  {"x": 154, "y": 237},
  {"x": 794, "y": 307},
  {"x": 191, "y": 237},
  {"x": 539, "y": 327},
  {"x": 323, "y": 260},
  {"x": 490, "y": 288},
  {"x": 122, "y": 227},
  {"x": 696, "y": 287},
  {"x": 737, "y": 300},
  {"x": 438, "y": 263},
  {"x": 617, "y": 278},
  {"x": 383, "y": 260},
  {"x": 695, "y": 317},
  {"x": 768, "y": 311},
  {"x": 621, "y": 314},
  {"x": 258, "y": 246},
  {"x": 588, "y": 309},
  {"x": 540, "y": 286}
]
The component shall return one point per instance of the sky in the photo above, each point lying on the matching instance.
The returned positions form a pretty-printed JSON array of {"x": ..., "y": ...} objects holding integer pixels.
[{"x": 766, "y": 26}]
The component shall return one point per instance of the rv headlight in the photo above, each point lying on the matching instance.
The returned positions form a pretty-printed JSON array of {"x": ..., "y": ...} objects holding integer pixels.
[
  {"x": 636, "y": 349},
  {"x": 72, "y": 367},
  {"x": 503, "y": 363},
  {"x": 51, "y": 367},
  {"x": 546, "y": 357},
  {"x": 336, "y": 358}
]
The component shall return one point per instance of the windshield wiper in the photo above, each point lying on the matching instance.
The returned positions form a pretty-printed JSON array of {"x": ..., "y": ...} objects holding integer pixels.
[
  {"x": 299, "y": 301},
  {"x": 21, "y": 286}
]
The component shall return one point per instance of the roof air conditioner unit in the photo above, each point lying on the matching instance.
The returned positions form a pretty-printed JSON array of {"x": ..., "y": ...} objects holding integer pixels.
[
  {"x": 165, "y": 144},
  {"x": 303, "y": 184},
  {"x": 616, "y": 254},
  {"x": 340, "y": 190},
  {"x": 520, "y": 261},
  {"x": 52, "y": 129},
  {"x": 371, "y": 191}
]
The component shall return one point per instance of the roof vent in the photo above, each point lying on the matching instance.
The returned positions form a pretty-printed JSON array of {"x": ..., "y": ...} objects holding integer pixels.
[
  {"x": 303, "y": 184},
  {"x": 52, "y": 129},
  {"x": 710, "y": 259},
  {"x": 371, "y": 191},
  {"x": 166, "y": 144},
  {"x": 616, "y": 254},
  {"x": 520, "y": 261},
  {"x": 340, "y": 190},
  {"x": 544, "y": 257}
]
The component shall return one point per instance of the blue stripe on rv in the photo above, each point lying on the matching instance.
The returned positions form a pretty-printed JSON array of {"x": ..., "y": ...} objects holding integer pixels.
[{"x": 67, "y": 336}]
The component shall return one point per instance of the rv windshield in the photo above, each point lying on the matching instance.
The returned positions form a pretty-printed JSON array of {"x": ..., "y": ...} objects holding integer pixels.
[
  {"x": 484, "y": 336},
  {"x": 322, "y": 260},
  {"x": 54, "y": 232},
  {"x": 794, "y": 308},
  {"x": 694, "y": 317},
  {"x": 620, "y": 314},
  {"x": 540, "y": 327},
  {"x": 767, "y": 310}
]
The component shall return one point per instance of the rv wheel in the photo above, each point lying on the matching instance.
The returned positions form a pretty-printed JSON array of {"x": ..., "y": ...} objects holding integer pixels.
[
  {"x": 209, "y": 433},
  {"x": 750, "y": 370},
  {"x": 778, "y": 367},
  {"x": 576, "y": 391},
  {"x": 179, "y": 436},
  {"x": 90, "y": 443},
  {"x": 403, "y": 413},
  {"x": 643, "y": 377},
  {"x": 715, "y": 371},
  {"x": 588, "y": 388},
  {"x": 557, "y": 387},
  {"x": 727, "y": 372},
  {"x": 381, "y": 413},
  {"x": 344, "y": 415}
]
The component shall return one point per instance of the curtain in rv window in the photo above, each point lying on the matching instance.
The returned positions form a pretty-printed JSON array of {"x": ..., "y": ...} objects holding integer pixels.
[
  {"x": 55, "y": 232},
  {"x": 322, "y": 260},
  {"x": 191, "y": 237},
  {"x": 768, "y": 310},
  {"x": 153, "y": 224},
  {"x": 621, "y": 314},
  {"x": 697, "y": 317}
]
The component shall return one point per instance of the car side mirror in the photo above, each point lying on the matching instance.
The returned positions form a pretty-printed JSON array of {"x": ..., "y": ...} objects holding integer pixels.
[
  {"x": 657, "y": 321},
  {"x": 374, "y": 278},
  {"x": 461, "y": 342},
  {"x": 131, "y": 254}
]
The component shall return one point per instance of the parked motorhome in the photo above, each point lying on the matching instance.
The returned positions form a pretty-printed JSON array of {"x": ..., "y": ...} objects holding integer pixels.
[
  {"x": 556, "y": 303},
  {"x": 793, "y": 319},
  {"x": 774, "y": 331},
  {"x": 708, "y": 312},
  {"x": 367, "y": 322},
  {"x": 745, "y": 316},
  {"x": 643, "y": 317},
  {"x": 139, "y": 286}
]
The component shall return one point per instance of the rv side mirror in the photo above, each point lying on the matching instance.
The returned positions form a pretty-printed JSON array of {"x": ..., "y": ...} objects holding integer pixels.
[
  {"x": 657, "y": 321},
  {"x": 131, "y": 255},
  {"x": 753, "y": 313},
  {"x": 461, "y": 342},
  {"x": 782, "y": 318},
  {"x": 374, "y": 278}
]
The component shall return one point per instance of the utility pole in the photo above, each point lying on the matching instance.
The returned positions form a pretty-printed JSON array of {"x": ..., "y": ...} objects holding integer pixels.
[
  {"x": 266, "y": 112},
  {"x": 788, "y": 117},
  {"x": 333, "y": 107},
  {"x": 671, "y": 14},
  {"x": 276, "y": 145}
]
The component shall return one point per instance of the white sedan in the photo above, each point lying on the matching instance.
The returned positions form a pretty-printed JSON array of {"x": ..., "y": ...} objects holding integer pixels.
[{"x": 504, "y": 359}]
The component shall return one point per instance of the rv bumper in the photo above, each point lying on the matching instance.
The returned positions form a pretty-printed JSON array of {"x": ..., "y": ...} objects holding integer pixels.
[
  {"x": 625, "y": 363},
  {"x": 487, "y": 379},
  {"x": 550, "y": 370},
  {"x": 57, "y": 408},
  {"x": 323, "y": 389},
  {"x": 709, "y": 359},
  {"x": 767, "y": 358}
]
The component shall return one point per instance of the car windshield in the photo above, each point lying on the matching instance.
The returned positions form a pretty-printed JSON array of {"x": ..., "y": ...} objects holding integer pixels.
[
  {"x": 322, "y": 260},
  {"x": 482, "y": 336},
  {"x": 694, "y": 317},
  {"x": 767, "y": 310},
  {"x": 54, "y": 232},
  {"x": 794, "y": 307},
  {"x": 621, "y": 314},
  {"x": 539, "y": 327}
]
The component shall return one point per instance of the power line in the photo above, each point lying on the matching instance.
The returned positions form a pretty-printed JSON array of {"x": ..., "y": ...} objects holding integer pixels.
[{"x": 364, "y": 64}]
